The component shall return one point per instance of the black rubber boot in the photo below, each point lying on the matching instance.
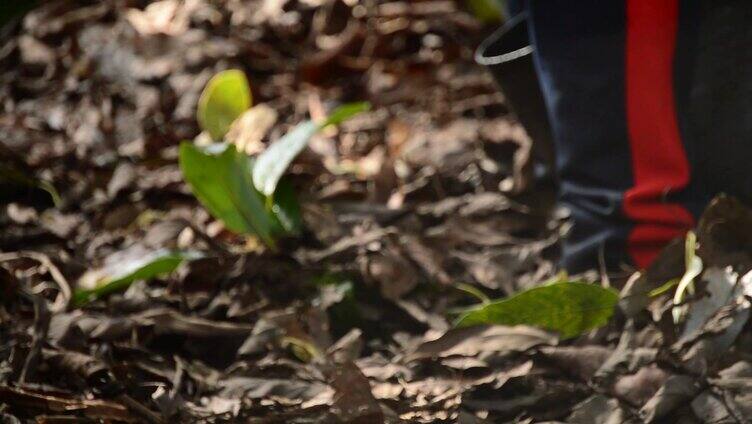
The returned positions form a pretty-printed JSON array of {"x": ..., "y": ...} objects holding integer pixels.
[{"x": 509, "y": 56}]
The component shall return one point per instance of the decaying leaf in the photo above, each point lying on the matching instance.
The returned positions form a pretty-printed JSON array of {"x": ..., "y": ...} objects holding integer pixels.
[
  {"x": 677, "y": 390},
  {"x": 169, "y": 17},
  {"x": 56, "y": 403},
  {"x": 484, "y": 339},
  {"x": 353, "y": 402},
  {"x": 249, "y": 129},
  {"x": 598, "y": 409}
]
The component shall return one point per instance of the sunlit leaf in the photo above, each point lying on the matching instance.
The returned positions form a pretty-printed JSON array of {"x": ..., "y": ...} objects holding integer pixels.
[
  {"x": 693, "y": 268},
  {"x": 274, "y": 161},
  {"x": 226, "y": 96},
  {"x": 722, "y": 288},
  {"x": 303, "y": 350},
  {"x": 122, "y": 270},
  {"x": 567, "y": 308}
]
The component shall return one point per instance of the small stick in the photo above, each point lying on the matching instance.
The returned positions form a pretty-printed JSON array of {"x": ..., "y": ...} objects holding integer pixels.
[{"x": 66, "y": 294}]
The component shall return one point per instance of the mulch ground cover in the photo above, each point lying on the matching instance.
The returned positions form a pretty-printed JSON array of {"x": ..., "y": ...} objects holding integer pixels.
[{"x": 409, "y": 210}]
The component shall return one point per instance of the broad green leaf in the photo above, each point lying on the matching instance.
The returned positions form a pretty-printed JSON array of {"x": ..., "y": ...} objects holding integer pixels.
[
  {"x": 125, "y": 268},
  {"x": 273, "y": 162},
  {"x": 693, "y": 268},
  {"x": 567, "y": 308},
  {"x": 226, "y": 96},
  {"x": 220, "y": 178}
]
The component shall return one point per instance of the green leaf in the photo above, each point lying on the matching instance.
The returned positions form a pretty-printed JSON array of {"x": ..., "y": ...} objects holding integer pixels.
[
  {"x": 487, "y": 11},
  {"x": 693, "y": 268},
  {"x": 50, "y": 189},
  {"x": 286, "y": 210},
  {"x": 273, "y": 162},
  {"x": 128, "y": 267},
  {"x": 567, "y": 308},
  {"x": 220, "y": 177},
  {"x": 665, "y": 287},
  {"x": 303, "y": 350},
  {"x": 473, "y": 291},
  {"x": 345, "y": 112},
  {"x": 226, "y": 96}
]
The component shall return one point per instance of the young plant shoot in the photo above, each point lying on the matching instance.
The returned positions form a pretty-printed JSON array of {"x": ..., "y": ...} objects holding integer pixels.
[{"x": 248, "y": 194}]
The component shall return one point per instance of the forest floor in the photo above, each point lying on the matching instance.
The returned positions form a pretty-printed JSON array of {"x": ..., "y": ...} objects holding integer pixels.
[{"x": 407, "y": 210}]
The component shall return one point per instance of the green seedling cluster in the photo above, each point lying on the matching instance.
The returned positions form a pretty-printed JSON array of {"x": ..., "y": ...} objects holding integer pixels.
[{"x": 248, "y": 194}]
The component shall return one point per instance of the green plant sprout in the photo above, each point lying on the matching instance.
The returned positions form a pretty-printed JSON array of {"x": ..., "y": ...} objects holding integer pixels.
[{"x": 248, "y": 194}]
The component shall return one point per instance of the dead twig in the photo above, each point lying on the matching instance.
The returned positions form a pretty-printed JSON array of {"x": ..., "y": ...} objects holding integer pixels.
[
  {"x": 65, "y": 295},
  {"x": 140, "y": 409},
  {"x": 33, "y": 400},
  {"x": 41, "y": 327}
]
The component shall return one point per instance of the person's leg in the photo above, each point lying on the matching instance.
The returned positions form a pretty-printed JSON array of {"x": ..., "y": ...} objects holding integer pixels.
[
  {"x": 579, "y": 51},
  {"x": 606, "y": 69},
  {"x": 659, "y": 163}
]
